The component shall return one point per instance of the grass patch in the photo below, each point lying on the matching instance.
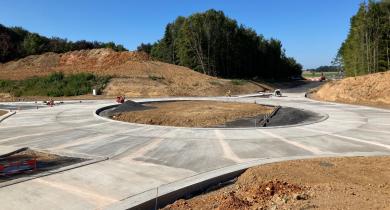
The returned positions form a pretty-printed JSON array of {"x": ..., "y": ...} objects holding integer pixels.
[
  {"x": 239, "y": 82},
  {"x": 307, "y": 74},
  {"x": 55, "y": 85},
  {"x": 215, "y": 82}
]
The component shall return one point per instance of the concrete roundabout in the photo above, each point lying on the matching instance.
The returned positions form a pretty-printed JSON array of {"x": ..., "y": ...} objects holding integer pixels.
[
  {"x": 277, "y": 116},
  {"x": 139, "y": 158}
]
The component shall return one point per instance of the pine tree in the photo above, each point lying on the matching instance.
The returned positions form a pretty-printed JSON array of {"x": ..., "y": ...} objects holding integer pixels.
[
  {"x": 216, "y": 45},
  {"x": 366, "y": 49}
]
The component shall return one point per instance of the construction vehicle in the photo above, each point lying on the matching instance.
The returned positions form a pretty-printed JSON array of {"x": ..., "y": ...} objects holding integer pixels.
[
  {"x": 322, "y": 78},
  {"x": 50, "y": 102},
  {"x": 120, "y": 99},
  {"x": 18, "y": 166},
  {"x": 10, "y": 166},
  {"x": 278, "y": 93}
]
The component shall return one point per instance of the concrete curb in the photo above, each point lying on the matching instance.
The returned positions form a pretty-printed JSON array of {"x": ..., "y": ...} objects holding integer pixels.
[
  {"x": 269, "y": 116},
  {"x": 96, "y": 114},
  {"x": 352, "y": 105},
  {"x": 9, "y": 114},
  {"x": 169, "y": 193}
]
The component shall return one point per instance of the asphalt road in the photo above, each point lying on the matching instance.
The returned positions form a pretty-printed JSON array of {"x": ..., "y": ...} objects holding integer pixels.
[{"x": 144, "y": 157}]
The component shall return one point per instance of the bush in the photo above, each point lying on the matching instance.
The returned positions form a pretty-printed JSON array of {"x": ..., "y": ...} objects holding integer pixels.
[
  {"x": 57, "y": 76},
  {"x": 238, "y": 82},
  {"x": 55, "y": 85},
  {"x": 215, "y": 82}
]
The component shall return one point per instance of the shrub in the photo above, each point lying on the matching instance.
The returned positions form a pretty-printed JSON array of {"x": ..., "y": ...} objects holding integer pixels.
[
  {"x": 55, "y": 85},
  {"x": 239, "y": 82},
  {"x": 214, "y": 82}
]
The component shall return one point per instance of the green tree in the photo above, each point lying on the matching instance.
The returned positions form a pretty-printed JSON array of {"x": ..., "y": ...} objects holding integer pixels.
[
  {"x": 16, "y": 42},
  {"x": 216, "y": 45},
  {"x": 34, "y": 44},
  {"x": 366, "y": 49},
  {"x": 147, "y": 48}
]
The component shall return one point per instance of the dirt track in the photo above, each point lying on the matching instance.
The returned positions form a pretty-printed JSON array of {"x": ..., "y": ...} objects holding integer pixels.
[
  {"x": 323, "y": 183},
  {"x": 193, "y": 113}
]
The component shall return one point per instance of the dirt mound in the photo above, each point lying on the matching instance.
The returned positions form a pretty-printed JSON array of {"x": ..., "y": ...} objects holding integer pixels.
[
  {"x": 255, "y": 196},
  {"x": 99, "y": 61},
  {"x": 373, "y": 89},
  {"x": 192, "y": 113},
  {"x": 134, "y": 73},
  {"x": 322, "y": 183},
  {"x": 127, "y": 107},
  {"x": 2, "y": 112}
]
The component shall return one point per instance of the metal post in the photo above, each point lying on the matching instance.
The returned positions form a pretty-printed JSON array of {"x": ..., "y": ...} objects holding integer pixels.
[{"x": 156, "y": 205}]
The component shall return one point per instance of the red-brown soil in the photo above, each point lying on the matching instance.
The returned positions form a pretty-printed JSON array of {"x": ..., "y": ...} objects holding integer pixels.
[
  {"x": 193, "y": 113},
  {"x": 322, "y": 183},
  {"x": 134, "y": 74},
  {"x": 372, "y": 90}
]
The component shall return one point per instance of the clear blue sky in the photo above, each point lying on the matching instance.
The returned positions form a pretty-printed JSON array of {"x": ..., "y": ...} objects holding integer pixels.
[{"x": 310, "y": 30}]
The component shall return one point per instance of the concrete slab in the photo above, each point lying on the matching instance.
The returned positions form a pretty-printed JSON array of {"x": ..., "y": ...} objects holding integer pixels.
[{"x": 143, "y": 157}]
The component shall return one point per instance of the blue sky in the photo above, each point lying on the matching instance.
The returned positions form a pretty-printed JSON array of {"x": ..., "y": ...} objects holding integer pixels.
[{"x": 311, "y": 30}]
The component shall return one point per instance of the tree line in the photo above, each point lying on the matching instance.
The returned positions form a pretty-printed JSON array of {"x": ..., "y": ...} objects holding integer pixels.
[
  {"x": 367, "y": 47},
  {"x": 325, "y": 69},
  {"x": 16, "y": 42},
  {"x": 216, "y": 45}
]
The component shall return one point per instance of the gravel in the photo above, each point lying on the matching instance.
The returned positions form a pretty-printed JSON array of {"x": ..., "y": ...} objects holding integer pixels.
[
  {"x": 128, "y": 106},
  {"x": 291, "y": 116}
]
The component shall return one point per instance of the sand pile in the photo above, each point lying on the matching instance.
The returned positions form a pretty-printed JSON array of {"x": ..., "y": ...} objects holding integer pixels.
[
  {"x": 322, "y": 183},
  {"x": 373, "y": 89}
]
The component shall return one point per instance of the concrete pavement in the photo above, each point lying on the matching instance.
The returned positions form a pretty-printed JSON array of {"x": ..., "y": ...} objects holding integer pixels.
[{"x": 143, "y": 157}]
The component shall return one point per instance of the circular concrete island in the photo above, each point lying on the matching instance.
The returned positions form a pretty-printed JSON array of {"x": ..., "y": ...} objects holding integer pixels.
[{"x": 207, "y": 114}]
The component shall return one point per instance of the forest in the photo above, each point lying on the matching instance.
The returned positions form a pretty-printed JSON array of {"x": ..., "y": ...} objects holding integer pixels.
[
  {"x": 217, "y": 45},
  {"x": 16, "y": 43},
  {"x": 367, "y": 47}
]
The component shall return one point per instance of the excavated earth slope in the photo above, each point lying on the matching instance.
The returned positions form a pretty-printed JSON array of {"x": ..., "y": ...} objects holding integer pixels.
[
  {"x": 322, "y": 183},
  {"x": 134, "y": 74},
  {"x": 373, "y": 89}
]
